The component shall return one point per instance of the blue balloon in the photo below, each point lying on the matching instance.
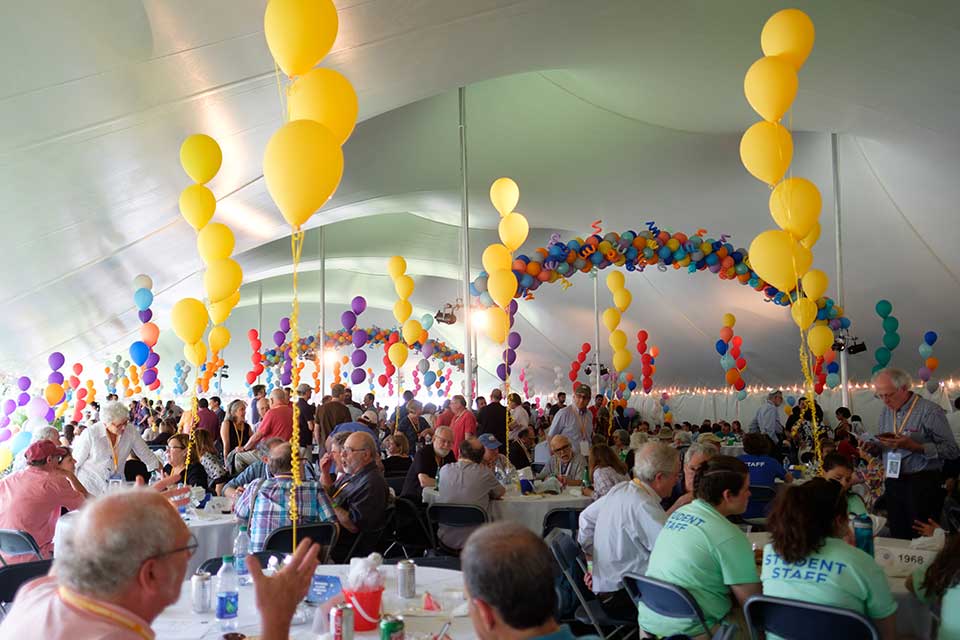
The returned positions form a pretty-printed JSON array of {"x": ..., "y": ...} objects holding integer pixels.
[
  {"x": 139, "y": 352},
  {"x": 632, "y": 385},
  {"x": 930, "y": 337},
  {"x": 721, "y": 347},
  {"x": 20, "y": 442},
  {"x": 143, "y": 298},
  {"x": 844, "y": 323},
  {"x": 791, "y": 401},
  {"x": 429, "y": 378},
  {"x": 833, "y": 367}
]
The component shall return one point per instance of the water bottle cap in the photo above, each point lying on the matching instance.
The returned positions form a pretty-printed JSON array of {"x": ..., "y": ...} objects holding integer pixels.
[
  {"x": 227, "y": 559},
  {"x": 243, "y": 528}
]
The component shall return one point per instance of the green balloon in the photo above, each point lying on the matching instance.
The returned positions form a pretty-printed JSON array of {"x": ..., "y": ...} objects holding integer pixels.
[
  {"x": 891, "y": 340},
  {"x": 891, "y": 324},
  {"x": 883, "y": 356},
  {"x": 884, "y": 308}
]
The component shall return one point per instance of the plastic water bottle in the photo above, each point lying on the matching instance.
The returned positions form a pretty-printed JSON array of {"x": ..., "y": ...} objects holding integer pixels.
[
  {"x": 228, "y": 599},
  {"x": 863, "y": 533},
  {"x": 241, "y": 547}
]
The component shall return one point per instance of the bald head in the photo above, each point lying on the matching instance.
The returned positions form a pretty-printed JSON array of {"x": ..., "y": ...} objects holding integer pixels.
[
  {"x": 279, "y": 460},
  {"x": 278, "y": 397}
]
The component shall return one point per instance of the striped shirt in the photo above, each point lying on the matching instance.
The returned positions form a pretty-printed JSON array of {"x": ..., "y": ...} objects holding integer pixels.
[{"x": 271, "y": 508}]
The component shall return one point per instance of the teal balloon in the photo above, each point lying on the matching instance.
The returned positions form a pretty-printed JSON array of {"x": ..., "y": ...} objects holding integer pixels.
[
  {"x": 741, "y": 394},
  {"x": 429, "y": 378},
  {"x": 882, "y": 355},
  {"x": 891, "y": 340},
  {"x": 833, "y": 380},
  {"x": 891, "y": 324},
  {"x": 143, "y": 298},
  {"x": 884, "y": 308},
  {"x": 926, "y": 350},
  {"x": 426, "y": 321}
]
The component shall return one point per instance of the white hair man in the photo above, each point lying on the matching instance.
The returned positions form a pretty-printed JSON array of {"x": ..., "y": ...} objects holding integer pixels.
[
  {"x": 619, "y": 529},
  {"x": 916, "y": 440},
  {"x": 427, "y": 463},
  {"x": 123, "y": 563},
  {"x": 696, "y": 455}
]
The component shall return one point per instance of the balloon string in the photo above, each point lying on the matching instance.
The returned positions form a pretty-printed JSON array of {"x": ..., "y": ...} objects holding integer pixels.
[
  {"x": 805, "y": 354},
  {"x": 283, "y": 106},
  {"x": 194, "y": 422},
  {"x": 296, "y": 249},
  {"x": 506, "y": 382}
]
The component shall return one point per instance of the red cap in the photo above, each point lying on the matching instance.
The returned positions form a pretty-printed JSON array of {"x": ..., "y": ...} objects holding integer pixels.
[{"x": 43, "y": 449}]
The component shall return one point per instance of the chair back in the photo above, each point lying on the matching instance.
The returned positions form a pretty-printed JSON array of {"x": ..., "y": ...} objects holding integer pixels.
[
  {"x": 14, "y": 576},
  {"x": 566, "y": 518},
  {"x": 436, "y": 562},
  {"x": 792, "y": 619},
  {"x": 396, "y": 483},
  {"x": 537, "y": 467},
  {"x": 726, "y": 632},
  {"x": 14, "y": 542},
  {"x": 456, "y": 515},
  {"x": 323, "y": 533},
  {"x": 571, "y": 591},
  {"x": 213, "y": 565},
  {"x": 664, "y": 598}
]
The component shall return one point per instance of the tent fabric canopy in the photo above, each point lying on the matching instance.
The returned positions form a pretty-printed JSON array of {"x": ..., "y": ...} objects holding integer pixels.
[{"x": 619, "y": 110}]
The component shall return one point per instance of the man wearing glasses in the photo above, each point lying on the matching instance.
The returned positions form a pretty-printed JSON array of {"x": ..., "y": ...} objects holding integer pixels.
[
  {"x": 575, "y": 422},
  {"x": 565, "y": 464},
  {"x": 123, "y": 563},
  {"x": 916, "y": 440},
  {"x": 360, "y": 496}
]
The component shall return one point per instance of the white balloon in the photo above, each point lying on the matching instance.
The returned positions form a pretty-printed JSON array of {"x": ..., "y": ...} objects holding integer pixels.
[{"x": 142, "y": 281}]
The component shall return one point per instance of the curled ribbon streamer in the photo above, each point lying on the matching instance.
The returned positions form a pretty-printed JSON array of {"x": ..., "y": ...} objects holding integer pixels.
[
  {"x": 566, "y": 284},
  {"x": 701, "y": 232},
  {"x": 724, "y": 237},
  {"x": 587, "y": 251},
  {"x": 595, "y": 225}
]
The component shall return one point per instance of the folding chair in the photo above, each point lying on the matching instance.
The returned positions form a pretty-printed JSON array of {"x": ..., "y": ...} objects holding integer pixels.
[
  {"x": 792, "y": 619},
  {"x": 454, "y": 515},
  {"x": 323, "y": 533},
  {"x": 565, "y": 518},
  {"x": 14, "y": 542},
  {"x": 213, "y": 565},
  {"x": 664, "y": 598},
  {"x": 14, "y": 576},
  {"x": 437, "y": 562},
  {"x": 760, "y": 496},
  {"x": 396, "y": 483},
  {"x": 568, "y": 555},
  {"x": 409, "y": 531}
]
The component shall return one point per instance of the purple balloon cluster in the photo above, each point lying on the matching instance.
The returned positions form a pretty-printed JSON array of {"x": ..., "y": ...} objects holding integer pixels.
[
  {"x": 513, "y": 343},
  {"x": 359, "y": 338},
  {"x": 279, "y": 337}
]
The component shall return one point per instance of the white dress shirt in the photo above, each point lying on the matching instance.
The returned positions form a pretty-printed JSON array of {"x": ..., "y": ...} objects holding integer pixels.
[
  {"x": 520, "y": 417},
  {"x": 95, "y": 456},
  {"x": 627, "y": 522}
]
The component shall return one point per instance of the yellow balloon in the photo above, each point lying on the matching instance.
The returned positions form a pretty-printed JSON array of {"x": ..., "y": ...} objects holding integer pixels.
[
  {"x": 197, "y": 205},
  {"x": 189, "y": 320},
  {"x": 53, "y": 394},
  {"x": 302, "y": 166},
  {"x": 622, "y": 299},
  {"x": 820, "y": 339},
  {"x": 220, "y": 311},
  {"x": 779, "y": 259},
  {"x": 200, "y": 157},
  {"x": 299, "y": 32},
  {"x": 504, "y": 194},
  {"x": 795, "y": 206},
  {"x": 219, "y": 338},
  {"x": 766, "y": 150},
  {"x": 770, "y": 86},
  {"x": 815, "y": 283},
  {"x": 325, "y": 96},
  {"x": 498, "y": 324},
  {"x": 6, "y": 458},
  {"x": 215, "y": 242},
  {"x": 811, "y": 238},
  {"x": 621, "y": 359},
  {"x": 496, "y": 257},
  {"x": 396, "y": 266},
  {"x": 804, "y": 312},
  {"x": 513, "y": 230},
  {"x": 402, "y": 310},
  {"x": 397, "y": 354},
  {"x": 196, "y": 353},
  {"x": 729, "y": 320},
  {"x": 502, "y": 285},
  {"x": 403, "y": 286},
  {"x": 618, "y": 339},
  {"x": 789, "y": 34},
  {"x": 411, "y": 331},
  {"x": 221, "y": 279},
  {"x": 611, "y": 319},
  {"x": 615, "y": 281}
]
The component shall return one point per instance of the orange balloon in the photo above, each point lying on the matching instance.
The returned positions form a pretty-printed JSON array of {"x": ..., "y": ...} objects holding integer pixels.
[
  {"x": 654, "y": 351},
  {"x": 149, "y": 332},
  {"x": 732, "y": 376},
  {"x": 932, "y": 363},
  {"x": 726, "y": 334}
]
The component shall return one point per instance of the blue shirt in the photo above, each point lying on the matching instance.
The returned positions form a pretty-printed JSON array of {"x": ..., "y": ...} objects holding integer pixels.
[
  {"x": 767, "y": 421},
  {"x": 763, "y": 471},
  {"x": 350, "y": 427}
]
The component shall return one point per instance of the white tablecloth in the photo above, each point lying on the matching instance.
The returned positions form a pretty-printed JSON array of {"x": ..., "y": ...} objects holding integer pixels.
[
  {"x": 179, "y": 622},
  {"x": 215, "y": 535},
  {"x": 527, "y": 510}
]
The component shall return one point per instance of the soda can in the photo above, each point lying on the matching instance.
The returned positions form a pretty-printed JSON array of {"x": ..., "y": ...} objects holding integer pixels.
[
  {"x": 341, "y": 622},
  {"x": 201, "y": 592},
  {"x": 406, "y": 579},
  {"x": 391, "y": 628}
]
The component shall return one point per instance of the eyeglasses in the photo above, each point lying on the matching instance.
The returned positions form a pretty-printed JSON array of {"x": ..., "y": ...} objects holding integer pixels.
[
  {"x": 885, "y": 396},
  {"x": 566, "y": 447},
  {"x": 351, "y": 450},
  {"x": 191, "y": 549}
]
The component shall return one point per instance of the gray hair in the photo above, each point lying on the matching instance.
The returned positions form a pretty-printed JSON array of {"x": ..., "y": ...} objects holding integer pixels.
[
  {"x": 654, "y": 458},
  {"x": 264, "y": 446},
  {"x": 638, "y": 439},
  {"x": 415, "y": 405},
  {"x": 702, "y": 448},
  {"x": 113, "y": 413},
  {"x": 774, "y": 394},
  {"x": 898, "y": 377},
  {"x": 622, "y": 436},
  {"x": 445, "y": 428},
  {"x": 46, "y": 433},
  {"x": 100, "y": 560},
  {"x": 281, "y": 459}
]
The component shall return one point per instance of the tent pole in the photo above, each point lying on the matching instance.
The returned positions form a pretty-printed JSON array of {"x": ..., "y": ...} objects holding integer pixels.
[
  {"x": 260, "y": 314},
  {"x": 834, "y": 148},
  {"x": 323, "y": 312},
  {"x": 596, "y": 327},
  {"x": 468, "y": 351}
]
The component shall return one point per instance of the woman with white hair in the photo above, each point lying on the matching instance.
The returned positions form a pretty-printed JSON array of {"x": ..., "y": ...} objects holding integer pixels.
[{"x": 102, "y": 450}]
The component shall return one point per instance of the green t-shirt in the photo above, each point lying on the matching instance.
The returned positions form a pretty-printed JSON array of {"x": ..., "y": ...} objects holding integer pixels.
[
  {"x": 949, "y": 608},
  {"x": 703, "y": 552},
  {"x": 855, "y": 504},
  {"x": 838, "y": 575}
]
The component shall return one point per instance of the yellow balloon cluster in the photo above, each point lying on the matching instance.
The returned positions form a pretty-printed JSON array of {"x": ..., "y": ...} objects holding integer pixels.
[
  {"x": 410, "y": 329},
  {"x": 611, "y": 320},
  {"x": 498, "y": 257}
]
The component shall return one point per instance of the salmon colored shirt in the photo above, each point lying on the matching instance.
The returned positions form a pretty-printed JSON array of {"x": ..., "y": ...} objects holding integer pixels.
[
  {"x": 31, "y": 500},
  {"x": 277, "y": 423}
]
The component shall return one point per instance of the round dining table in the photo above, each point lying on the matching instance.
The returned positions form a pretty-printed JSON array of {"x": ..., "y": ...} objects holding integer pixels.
[
  {"x": 215, "y": 534},
  {"x": 528, "y": 510},
  {"x": 179, "y": 622}
]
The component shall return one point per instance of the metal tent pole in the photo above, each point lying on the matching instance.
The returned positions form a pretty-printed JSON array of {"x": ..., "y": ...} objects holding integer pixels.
[
  {"x": 468, "y": 351},
  {"x": 323, "y": 312},
  {"x": 260, "y": 314},
  {"x": 838, "y": 236},
  {"x": 596, "y": 328}
]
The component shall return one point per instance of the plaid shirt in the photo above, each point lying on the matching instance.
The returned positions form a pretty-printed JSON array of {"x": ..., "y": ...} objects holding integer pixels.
[{"x": 271, "y": 509}]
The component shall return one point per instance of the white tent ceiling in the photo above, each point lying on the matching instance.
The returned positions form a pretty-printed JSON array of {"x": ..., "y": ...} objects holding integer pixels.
[{"x": 625, "y": 110}]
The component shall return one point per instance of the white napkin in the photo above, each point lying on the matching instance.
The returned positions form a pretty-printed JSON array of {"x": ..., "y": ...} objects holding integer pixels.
[{"x": 930, "y": 543}]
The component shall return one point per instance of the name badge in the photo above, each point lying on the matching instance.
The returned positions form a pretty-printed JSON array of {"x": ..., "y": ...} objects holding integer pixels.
[
  {"x": 894, "y": 458},
  {"x": 584, "y": 448}
]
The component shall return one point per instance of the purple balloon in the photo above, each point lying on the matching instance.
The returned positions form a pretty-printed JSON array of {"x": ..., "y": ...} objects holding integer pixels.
[
  {"x": 513, "y": 307},
  {"x": 427, "y": 350},
  {"x": 152, "y": 360},
  {"x": 56, "y": 360},
  {"x": 510, "y": 355},
  {"x": 149, "y": 376},
  {"x": 358, "y": 358},
  {"x": 924, "y": 373},
  {"x": 9, "y": 406},
  {"x": 145, "y": 315},
  {"x": 285, "y": 324},
  {"x": 51, "y": 415},
  {"x": 55, "y": 378},
  {"x": 279, "y": 337},
  {"x": 348, "y": 319},
  {"x": 23, "y": 399},
  {"x": 502, "y": 371},
  {"x": 513, "y": 340},
  {"x": 5, "y": 435},
  {"x": 286, "y": 379},
  {"x": 358, "y": 375},
  {"x": 23, "y": 383},
  {"x": 359, "y": 305},
  {"x": 359, "y": 338}
]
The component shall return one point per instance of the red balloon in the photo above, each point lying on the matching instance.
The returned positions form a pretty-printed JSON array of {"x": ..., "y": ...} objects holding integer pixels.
[
  {"x": 255, "y": 358},
  {"x": 575, "y": 366},
  {"x": 383, "y": 379},
  {"x": 251, "y": 376},
  {"x": 255, "y": 345},
  {"x": 81, "y": 405},
  {"x": 81, "y": 394},
  {"x": 740, "y": 385},
  {"x": 737, "y": 341},
  {"x": 386, "y": 360},
  {"x": 646, "y": 358},
  {"x": 77, "y": 416},
  {"x": 258, "y": 368},
  {"x": 741, "y": 363},
  {"x": 252, "y": 335},
  {"x": 77, "y": 368},
  {"x": 74, "y": 381},
  {"x": 646, "y": 370},
  {"x": 735, "y": 352},
  {"x": 581, "y": 357},
  {"x": 572, "y": 375},
  {"x": 642, "y": 335},
  {"x": 818, "y": 388},
  {"x": 585, "y": 347}
]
